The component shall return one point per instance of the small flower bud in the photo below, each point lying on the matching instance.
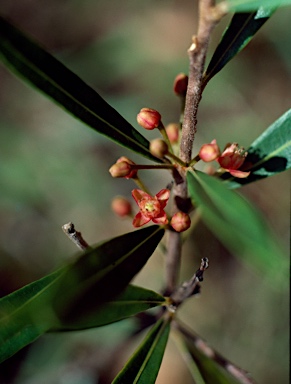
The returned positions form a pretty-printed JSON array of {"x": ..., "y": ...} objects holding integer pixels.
[
  {"x": 158, "y": 148},
  {"x": 180, "y": 221},
  {"x": 121, "y": 206},
  {"x": 133, "y": 172},
  {"x": 149, "y": 118},
  {"x": 181, "y": 84},
  {"x": 209, "y": 152},
  {"x": 173, "y": 132},
  {"x": 121, "y": 169}
]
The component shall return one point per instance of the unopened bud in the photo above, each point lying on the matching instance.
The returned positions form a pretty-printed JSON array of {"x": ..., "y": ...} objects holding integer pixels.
[
  {"x": 149, "y": 118},
  {"x": 173, "y": 132},
  {"x": 121, "y": 206},
  {"x": 209, "y": 152},
  {"x": 181, "y": 84},
  {"x": 121, "y": 169},
  {"x": 133, "y": 172},
  {"x": 158, "y": 148},
  {"x": 180, "y": 222}
]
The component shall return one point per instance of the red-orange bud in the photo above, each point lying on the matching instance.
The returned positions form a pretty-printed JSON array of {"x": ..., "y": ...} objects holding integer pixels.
[
  {"x": 181, "y": 84},
  {"x": 209, "y": 152},
  {"x": 121, "y": 169},
  {"x": 149, "y": 118},
  {"x": 133, "y": 172},
  {"x": 158, "y": 148},
  {"x": 121, "y": 206},
  {"x": 180, "y": 221},
  {"x": 173, "y": 132}
]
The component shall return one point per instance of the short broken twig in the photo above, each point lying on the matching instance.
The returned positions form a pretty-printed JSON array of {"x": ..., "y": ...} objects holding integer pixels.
[
  {"x": 75, "y": 237},
  {"x": 190, "y": 287}
]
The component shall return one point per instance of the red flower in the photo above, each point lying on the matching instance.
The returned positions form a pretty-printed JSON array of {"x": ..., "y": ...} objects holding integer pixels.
[
  {"x": 232, "y": 158},
  {"x": 151, "y": 207}
]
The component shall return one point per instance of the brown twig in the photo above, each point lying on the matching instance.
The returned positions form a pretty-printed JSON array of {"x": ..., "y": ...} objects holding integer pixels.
[
  {"x": 209, "y": 15},
  {"x": 239, "y": 374},
  {"x": 190, "y": 287},
  {"x": 75, "y": 237}
]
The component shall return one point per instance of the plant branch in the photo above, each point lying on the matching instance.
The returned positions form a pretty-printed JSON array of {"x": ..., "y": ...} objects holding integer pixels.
[
  {"x": 209, "y": 16},
  {"x": 242, "y": 376},
  {"x": 190, "y": 287}
]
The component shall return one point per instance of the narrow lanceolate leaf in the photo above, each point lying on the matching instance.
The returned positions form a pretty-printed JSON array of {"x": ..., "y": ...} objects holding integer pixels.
[
  {"x": 132, "y": 301},
  {"x": 75, "y": 296},
  {"x": 103, "y": 273},
  {"x": 144, "y": 365},
  {"x": 28, "y": 60},
  {"x": 24, "y": 315},
  {"x": 253, "y": 5},
  {"x": 268, "y": 155},
  {"x": 238, "y": 225},
  {"x": 240, "y": 31},
  {"x": 213, "y": 367}
]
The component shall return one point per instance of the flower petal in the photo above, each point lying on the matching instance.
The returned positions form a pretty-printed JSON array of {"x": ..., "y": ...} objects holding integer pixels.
[
  {"x": 237, "y": 173},
  {"x": 163, "y": 195},
  {"x": 161, "y": 220},
  {"x": 138, "y": 194},
  {"x": 140, "y": 220}
]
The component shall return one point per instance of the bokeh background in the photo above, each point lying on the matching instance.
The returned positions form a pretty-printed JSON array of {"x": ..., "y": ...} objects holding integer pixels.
[{"x": 53, "y": 169}]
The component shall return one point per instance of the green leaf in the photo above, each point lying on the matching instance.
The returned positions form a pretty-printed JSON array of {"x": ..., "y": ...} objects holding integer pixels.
[
  {"x": 213, "y": 367},
  {"x": 242, "y": 28},
  {"x": 238, "y": 225},
  {"x": 144, "y": 365},
  {"x": 253, "y": 5},
  {"x": 39, "y": 68},
  {"x": 268, "y": 155},
  {"x": 132, "y": 301},
  {"x": 72, "y": 296},
  {"x": 102, "y": 273}
]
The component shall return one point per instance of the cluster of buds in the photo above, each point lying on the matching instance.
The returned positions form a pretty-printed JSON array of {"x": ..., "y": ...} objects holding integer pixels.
[
  {"x": 230, "y": 160},
  {"x": 151, "y": 208}
]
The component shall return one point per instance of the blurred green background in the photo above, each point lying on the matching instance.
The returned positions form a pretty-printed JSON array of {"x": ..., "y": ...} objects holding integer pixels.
[{"x": 53, "y": 170}]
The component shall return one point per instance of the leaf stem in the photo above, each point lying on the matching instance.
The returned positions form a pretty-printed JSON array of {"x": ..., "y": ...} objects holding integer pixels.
[{"x": 154, "y": 166}]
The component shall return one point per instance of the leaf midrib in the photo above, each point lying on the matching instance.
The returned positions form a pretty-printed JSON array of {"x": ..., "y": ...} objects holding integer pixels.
[
  {"x": 27, "y": 302},
  {"x": 229, "y": 47},
  {"x": 151, "y": 350}
]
